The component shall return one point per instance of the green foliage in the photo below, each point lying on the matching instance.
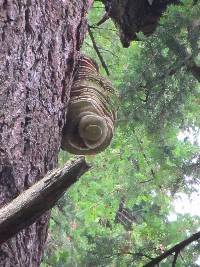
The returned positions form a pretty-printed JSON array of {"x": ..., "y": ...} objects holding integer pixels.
[{"x": 117, "y": 215}]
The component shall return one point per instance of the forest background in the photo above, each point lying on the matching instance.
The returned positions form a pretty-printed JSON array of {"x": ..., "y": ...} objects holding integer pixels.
[{"x": 120, "y": 213}]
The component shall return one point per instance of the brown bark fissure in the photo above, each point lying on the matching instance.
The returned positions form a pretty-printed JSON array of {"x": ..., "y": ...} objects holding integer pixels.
[{"x": 39, "y": 47}]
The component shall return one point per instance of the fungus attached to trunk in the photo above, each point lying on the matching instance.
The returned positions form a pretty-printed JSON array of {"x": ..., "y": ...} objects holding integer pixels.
[{"x": 92, "y": 111}]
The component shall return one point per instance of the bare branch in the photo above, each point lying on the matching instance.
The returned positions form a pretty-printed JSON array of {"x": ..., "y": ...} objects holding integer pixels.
[
  {"x": 97, "y": 51},
  {"x": 42, "y": 196},
  {"x": 144, "y": 155},
  {"x": 103, "y": 19},
  {"x": 176, "y": 249},
  {"x": 175, "y": 259},
  {"x": 94, "y": 26}
]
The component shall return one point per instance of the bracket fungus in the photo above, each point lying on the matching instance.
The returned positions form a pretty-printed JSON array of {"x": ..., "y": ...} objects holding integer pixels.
[{"x": 92, "y": 111}]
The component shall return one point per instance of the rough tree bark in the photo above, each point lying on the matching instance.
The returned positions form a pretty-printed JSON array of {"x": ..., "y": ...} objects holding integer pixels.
[{"x": 39, "y": 47}]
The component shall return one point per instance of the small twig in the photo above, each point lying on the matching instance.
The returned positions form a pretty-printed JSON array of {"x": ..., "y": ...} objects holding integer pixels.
[
  {"x": 97, "y": 7},
  {"x": 144, "y": 155},
  {"x": 103, "y": 19},
  {"x": 146, "y": 181},
  {"x": 175, "y": 259},
  {"x": 106, "y": 16},
  {"x": 97, "y": 51},
  {"x": 103, "y": 49},
  {"x": 42, "y": 196},
  {"x": 103, "y": 29},
  {"x": 181, "y": 257}
]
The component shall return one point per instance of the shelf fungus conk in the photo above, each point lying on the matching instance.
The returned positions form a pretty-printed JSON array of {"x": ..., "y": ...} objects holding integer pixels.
[{"x": 92, "y": 111}]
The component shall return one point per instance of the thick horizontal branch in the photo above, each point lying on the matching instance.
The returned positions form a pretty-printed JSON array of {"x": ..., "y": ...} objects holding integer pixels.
[
  {"x": 32, "y": 203},
  {"x": 174, "y": 250}
]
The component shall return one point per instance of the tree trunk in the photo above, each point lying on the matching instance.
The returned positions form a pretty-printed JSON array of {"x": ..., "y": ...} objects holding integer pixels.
[{"x": 39, "y": 47}]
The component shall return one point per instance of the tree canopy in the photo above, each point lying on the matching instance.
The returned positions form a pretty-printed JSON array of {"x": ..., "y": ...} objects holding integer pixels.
[{"x": 118, "y": 214}]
